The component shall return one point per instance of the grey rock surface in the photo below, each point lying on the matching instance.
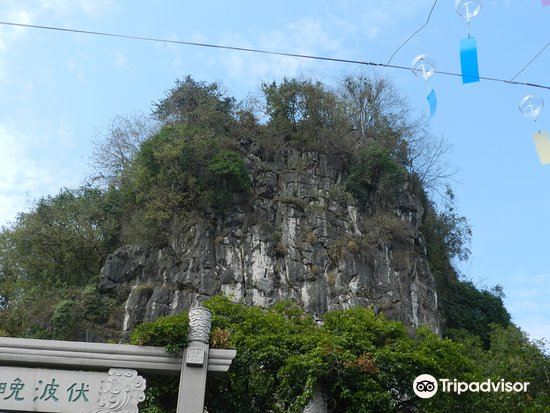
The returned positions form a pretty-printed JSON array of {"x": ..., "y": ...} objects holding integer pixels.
[
  {"x": 318, "y": 403},
  {"x": 301, "y": 237}
]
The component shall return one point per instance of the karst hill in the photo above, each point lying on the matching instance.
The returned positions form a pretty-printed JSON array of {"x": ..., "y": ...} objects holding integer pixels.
[
  {"x": 314, "y": 194},
  {"x": 313, "y": 221}
]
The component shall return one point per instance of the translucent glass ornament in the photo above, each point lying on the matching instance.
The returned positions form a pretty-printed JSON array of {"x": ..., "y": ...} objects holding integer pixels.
[
  {"x": 423, "y": 66},
  {"x": 531, "y": 106},
  {"x": 468, "y": 9}
]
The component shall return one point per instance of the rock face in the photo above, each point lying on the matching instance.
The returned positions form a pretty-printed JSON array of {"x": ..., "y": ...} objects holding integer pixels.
[{"x": 300, "y": 237}]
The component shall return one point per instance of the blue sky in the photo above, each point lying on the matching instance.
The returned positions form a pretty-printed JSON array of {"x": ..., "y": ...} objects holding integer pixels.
[{"x": 57, "y": 90}]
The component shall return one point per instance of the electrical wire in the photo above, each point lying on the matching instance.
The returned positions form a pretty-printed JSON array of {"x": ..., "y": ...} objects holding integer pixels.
[
  {"x": 415, "y": 33},
  {"x": 531, "y": 61},
  {"x": 261, "y": 51}
]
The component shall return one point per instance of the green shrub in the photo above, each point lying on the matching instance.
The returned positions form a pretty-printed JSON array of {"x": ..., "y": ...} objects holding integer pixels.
[
  {"x": 169, "y": 332},
  {"x": 64, "y": 317},
  {"x": 49, "y": 258},
  {"x": 62, "y": 314},
  {"x": 63, "y": 240},
  {"x": 197, "y": 103},
  {"x": 228, "y": 177},
  {"x": 180, "y": 170},
  {"x": 467, "y": 308},
  {"x": 364, "y": 362},
  {"x": 374, "y": 172},
  {"x": 306, "y": 115}
]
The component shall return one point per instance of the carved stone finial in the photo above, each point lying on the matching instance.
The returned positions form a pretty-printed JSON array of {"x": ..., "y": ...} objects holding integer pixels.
[{"x": 199, "y": 324}]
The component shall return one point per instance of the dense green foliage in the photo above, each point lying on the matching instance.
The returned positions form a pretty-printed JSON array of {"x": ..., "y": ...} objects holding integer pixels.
[
  {"x": 197, "y": 104},
  {"x": 307, "y": 115},
  {"x": 374, "y": 173},
  {"x": 179, "y": 170},
  {"x": 196, "y": 162},
  {"x": 169, "y": 332},
  {"x": 467, "y": 308},
  {"x": 49, "y": 264},
  {"x": 63, "y": 241},
  {"x": 364, "y": 362}
]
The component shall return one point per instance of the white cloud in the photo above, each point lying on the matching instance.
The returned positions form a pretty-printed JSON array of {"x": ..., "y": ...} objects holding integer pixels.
[
  {"x": 76, "y": 68},
  {"x": 322, "y": 33},
  {"x": 42, "y": 11},
  {"x": 121, "y": 61},
  {"x": 25, "y": 170},
  {"x": 70, "y": 8},
  {"x": 9, "y": 35},
  {"x": 18, "y": 11},
  {"x": 511, "y": 3},
  {"x": 372, "y": 19},
  {"x": 22, "y": 175},
  {"x": 527, "y": 300},
  {"x": 303, "y": 36},
  {"x": 537, "y": 329}
]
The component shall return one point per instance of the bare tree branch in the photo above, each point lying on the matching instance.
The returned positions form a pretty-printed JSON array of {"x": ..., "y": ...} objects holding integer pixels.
[{"x": 116, "y": 146}]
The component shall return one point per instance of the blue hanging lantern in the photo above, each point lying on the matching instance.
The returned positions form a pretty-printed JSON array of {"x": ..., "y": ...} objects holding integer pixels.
[{"x": 468, "y": 9}]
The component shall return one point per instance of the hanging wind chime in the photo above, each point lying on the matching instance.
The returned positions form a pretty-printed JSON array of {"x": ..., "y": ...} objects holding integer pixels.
[
  {"x": 468, "y": 9},
  {"x": 531, "y": 107},
  {"x": 424, "y": 66}
]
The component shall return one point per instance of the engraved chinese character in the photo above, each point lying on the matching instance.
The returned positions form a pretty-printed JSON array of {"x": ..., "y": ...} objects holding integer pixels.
[
  {"x": 80, "y": 393},
  {"x": 3, "y": 387},
  {"x": 49, "y": 391},
  {"x": 15, "y": 388}
]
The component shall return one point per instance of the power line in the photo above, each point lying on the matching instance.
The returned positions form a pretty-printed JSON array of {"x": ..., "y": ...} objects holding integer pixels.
[
  {"x": 261, "y": 51},
  {"x": 531, "y": 61},
  {"x": 415, "y": 33},
  {"x": 182, "y": 42}
]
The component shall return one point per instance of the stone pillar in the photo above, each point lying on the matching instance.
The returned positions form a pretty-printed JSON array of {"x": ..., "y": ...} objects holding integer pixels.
[{"x": 195, "y": 363}]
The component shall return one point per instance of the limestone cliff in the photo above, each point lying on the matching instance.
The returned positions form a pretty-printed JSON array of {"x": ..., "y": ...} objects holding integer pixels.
[{"x": 300, "y": 237}]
